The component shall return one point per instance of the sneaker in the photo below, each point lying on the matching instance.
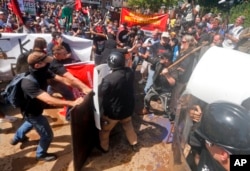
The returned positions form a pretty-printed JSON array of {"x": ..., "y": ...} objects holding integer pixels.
[
  {"x": 15, "y": 142},
  {"x": 47, "y": 157},
  {"x": 8, "y": 119}
]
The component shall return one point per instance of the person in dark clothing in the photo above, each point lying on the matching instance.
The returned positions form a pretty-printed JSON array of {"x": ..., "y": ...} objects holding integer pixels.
[
  {"x": 155, "y": 50},
  {"x": 216, "y": 145},
  {"x": 57, "y": 67},
  {"x": 184, "y": 69},
  {"x": 117, "y": 91},
  {"x": 32, "y": 107},
  {"x": 111, "y": 45},
  {"x": 163, "y": 81}
]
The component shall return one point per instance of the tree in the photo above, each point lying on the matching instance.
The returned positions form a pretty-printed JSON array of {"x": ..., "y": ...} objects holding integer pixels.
[{"x": 153, "y": 5}]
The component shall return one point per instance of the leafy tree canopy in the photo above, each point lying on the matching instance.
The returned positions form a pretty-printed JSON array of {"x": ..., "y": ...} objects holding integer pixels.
[{"x": 231, "y": 8}]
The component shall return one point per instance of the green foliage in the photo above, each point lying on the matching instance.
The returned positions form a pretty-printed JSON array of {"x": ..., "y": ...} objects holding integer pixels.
[
  {"x": 232, "y": 12},
  {"x": 235, "y": 10},
  {"x": 241, "y": 9},
  {"x": 153, "y": 5}
]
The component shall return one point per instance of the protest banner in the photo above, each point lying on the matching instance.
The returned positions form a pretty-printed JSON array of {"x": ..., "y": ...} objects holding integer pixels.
[
  {"x": 147, "y": 22},
  {"x": 13, "y": 44}
]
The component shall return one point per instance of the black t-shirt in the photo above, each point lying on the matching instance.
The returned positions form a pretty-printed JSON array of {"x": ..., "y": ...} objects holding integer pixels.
[
  {"x": 160, "y": 83},
  {"x": 158, "y": 49},
  {"x": 33, "y": 88}
]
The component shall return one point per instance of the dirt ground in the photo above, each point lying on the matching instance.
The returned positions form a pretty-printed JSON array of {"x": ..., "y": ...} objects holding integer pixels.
[{"x": 154, "y": 151}]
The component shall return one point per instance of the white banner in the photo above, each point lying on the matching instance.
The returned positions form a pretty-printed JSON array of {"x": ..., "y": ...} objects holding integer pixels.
[{"x": 15, "y": 43}]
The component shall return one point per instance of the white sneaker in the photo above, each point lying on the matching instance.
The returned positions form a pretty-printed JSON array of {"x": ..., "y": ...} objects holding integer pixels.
[{"x": 8, "y": 119}]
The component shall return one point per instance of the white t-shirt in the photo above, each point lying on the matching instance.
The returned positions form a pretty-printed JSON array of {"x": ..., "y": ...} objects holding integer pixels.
[{"x": 235, "y": 32}]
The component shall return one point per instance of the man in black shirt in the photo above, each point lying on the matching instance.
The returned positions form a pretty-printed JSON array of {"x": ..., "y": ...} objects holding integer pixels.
[
  {"x": 163, "y": 80},
  {"x": 117, "y": 91},
  {"x": 57, "y": 67},
  {"x": 35, "y": 94}
]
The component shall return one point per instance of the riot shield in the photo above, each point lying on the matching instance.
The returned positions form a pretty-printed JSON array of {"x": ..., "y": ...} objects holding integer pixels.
[
  {"x": 211, "y": 81},
  {"x": 183, "y": 146}
]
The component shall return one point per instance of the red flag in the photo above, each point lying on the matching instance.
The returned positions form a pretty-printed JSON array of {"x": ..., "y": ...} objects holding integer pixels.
[
  {"x": 16, "y": 10},
  {"x": 82, "y": 71},
  {"x": 78, "y": 5}
]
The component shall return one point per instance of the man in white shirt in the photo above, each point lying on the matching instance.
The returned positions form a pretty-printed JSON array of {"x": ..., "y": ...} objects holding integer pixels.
[{"x": 233, "y": 33}]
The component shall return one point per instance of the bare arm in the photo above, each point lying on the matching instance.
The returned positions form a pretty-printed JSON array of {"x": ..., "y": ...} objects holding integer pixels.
[
  {"x": 45, "y": 97},
  {"x": 169, "y": 78},
  {"x": 75, "y": 82}
]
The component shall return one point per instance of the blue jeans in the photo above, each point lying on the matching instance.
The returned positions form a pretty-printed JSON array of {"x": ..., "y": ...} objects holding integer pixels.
[
  {"x": 149, "y": 80},
  {"x": 41, "y": 125}
]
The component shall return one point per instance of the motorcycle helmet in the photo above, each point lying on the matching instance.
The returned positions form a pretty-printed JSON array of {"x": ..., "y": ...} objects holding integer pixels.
[
  {"x": 116, "y": 60},
  {"x": 226, "y": 125}
]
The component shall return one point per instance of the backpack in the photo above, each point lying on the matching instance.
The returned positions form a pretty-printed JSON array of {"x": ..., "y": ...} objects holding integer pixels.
[{"x": 13, "y": 93}]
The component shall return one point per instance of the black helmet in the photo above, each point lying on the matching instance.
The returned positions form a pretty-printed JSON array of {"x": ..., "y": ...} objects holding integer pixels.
[
  {"x": 116, "y": 60},
  {"x": 226, "y": 125}
]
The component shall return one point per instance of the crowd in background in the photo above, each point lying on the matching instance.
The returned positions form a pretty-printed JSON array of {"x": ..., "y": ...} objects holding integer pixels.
[
  {"x": 186, "y": 30},
  {"x": 188, "y": 35}
]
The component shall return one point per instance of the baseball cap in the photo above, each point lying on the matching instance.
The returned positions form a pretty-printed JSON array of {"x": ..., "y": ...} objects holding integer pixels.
[
  {"x": 165, "y": 34},
  {"x": 1, "y": 12},
  {"x": 36, "y": 57}
]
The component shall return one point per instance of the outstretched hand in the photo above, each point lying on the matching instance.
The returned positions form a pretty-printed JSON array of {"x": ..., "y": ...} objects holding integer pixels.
[{"x": 78, "y": 101}]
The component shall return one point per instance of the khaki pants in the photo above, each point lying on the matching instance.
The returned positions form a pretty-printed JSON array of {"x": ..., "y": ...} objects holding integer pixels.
[{"x": 108, "y": 124}]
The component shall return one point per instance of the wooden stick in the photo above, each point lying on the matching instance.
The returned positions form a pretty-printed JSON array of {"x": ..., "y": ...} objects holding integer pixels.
[{"x": 187, "y": 55}]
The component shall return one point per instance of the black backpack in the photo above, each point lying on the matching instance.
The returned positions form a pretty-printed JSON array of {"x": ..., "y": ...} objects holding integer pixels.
[{"x": 13, "y": 93}]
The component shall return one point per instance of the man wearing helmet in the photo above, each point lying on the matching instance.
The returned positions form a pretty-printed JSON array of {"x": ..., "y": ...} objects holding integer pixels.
[
  {"x": 117, "y": 92},
  {"x": 217, "y": 144}
]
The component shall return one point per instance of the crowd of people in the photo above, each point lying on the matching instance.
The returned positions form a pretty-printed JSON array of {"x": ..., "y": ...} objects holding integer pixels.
[{"x": 124, "y": 49}]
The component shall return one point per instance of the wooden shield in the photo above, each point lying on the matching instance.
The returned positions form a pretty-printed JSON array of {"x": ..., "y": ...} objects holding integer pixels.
[{"x": 83, "y": 130}]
